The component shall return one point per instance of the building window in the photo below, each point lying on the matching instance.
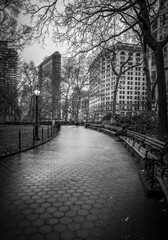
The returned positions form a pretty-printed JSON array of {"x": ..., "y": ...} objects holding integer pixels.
[{"x": 122, "y": 53}]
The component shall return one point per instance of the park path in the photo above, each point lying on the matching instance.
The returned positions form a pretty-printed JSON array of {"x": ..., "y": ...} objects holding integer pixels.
[{"x": 81, "y": 185}]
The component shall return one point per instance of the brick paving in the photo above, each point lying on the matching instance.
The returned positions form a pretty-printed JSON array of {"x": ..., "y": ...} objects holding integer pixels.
[{"x": 81, "y": 185}]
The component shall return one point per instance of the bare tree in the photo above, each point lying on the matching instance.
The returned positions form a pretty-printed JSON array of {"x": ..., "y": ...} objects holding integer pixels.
[
  {"x": 47, "y": 106},
  {"x": 28, "y": 77},
  {"x": 89, "y": 24},
  {"x": 67, "y": 87},
  {"x": 120, "y": 67},
  {"x": 15, "y": 33},
  {"x": 12, "y": 34},
  {"x": 74, "y": 82}
]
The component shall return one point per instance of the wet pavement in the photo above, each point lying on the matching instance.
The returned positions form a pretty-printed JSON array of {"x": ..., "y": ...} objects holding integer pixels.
[{"x": 81, "y": 185}]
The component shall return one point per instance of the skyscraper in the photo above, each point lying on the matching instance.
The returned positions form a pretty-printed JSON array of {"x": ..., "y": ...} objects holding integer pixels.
[
  {"x": 49, "y": 84},
  {"x": 8, "y": 82}
]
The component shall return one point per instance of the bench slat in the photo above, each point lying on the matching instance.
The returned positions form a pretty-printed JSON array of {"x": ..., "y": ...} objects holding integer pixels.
[
  {"x": 145, "y": 146},
  {"x": 155, "y": 143},
  {"x": 163, "y": 186},
  {"x": 152, "y": 151}
]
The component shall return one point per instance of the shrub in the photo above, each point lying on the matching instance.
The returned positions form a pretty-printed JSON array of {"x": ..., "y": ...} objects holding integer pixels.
[{"x": 145, "y": 123}]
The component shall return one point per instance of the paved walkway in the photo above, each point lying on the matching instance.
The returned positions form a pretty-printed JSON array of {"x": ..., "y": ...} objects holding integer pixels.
[{"x": 81, "y": 185}]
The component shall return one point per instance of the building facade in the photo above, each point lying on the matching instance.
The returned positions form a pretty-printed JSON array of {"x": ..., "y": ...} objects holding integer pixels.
[
  {"x": 123, "y": 64},
  {"x": 8, "y": 83},
  {"x": 49, "y": 85}
]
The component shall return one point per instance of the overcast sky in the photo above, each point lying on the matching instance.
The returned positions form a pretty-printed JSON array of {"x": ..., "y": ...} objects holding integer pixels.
[{"x": 37, "y": 53}]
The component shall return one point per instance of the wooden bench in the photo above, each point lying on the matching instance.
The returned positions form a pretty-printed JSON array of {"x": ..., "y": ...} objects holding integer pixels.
[
  {"x": 149, "y": 149},
  {"x": 163, "y": 180},
  {"x": 135, "y": 141},
  {"x": 94, "y": 126},
  {"x": 107, "y": 129},
  {"x": 111, "y": 130}
]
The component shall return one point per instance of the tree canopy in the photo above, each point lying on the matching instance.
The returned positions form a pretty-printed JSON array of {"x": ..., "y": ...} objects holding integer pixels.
[
  {"x": 90, "y": 24},
  {"x": 12, "y": 31}
]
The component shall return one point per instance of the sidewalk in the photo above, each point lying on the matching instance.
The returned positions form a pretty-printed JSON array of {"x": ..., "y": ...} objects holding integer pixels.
[{"x": 81, "y": 185}]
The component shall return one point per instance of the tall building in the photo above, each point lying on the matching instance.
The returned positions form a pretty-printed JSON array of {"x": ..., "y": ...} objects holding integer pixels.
[
  {"x": 8, "y": 64},
  {"x": 8, "y": 82},
  {"x": 131, "y": 91},
  {"x": 49, "y": 84}
]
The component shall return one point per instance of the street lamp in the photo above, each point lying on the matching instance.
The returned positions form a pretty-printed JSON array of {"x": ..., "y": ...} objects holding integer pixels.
[{"x": 36, "y": 135}]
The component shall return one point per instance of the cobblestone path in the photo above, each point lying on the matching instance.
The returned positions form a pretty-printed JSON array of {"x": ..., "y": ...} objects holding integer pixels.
[{"x": 81, "y": 185}]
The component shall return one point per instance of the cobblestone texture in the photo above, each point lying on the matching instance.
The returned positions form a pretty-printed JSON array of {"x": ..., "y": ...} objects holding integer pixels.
[{"x": 81, "y": 185}]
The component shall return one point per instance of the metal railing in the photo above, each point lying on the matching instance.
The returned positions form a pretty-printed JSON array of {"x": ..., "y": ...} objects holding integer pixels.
[{"x": 18, "y": 138}]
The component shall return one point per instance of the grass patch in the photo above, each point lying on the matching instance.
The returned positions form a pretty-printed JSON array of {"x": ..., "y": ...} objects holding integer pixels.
[{"x": 9, "y": 137}]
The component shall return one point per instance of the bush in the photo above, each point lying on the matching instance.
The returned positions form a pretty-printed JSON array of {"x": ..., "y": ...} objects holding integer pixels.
[
  {"x": 145, "y": 123},
  {"x": 107, "y": 117}
]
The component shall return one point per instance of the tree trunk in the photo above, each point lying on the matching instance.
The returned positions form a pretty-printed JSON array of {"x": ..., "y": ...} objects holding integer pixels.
[
  {"x": 162, "y": 99},
  {"x": 114, "y": 104},
  {"x": 148, "y": 80},
  {"x": 87, "y": 116},
  {"x": 78, "y": 108},
  {"x": 66, "y": 109},
  {"x": 115, "y": 97}
]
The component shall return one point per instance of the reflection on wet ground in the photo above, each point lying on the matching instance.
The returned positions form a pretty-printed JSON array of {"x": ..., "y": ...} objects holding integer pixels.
[{"x": 80, "y": 185}]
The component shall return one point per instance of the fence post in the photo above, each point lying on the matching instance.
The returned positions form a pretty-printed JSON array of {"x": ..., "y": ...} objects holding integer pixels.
[{"x": 19, "y": 140}]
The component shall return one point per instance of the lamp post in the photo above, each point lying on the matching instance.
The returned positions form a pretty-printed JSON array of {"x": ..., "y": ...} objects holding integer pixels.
[{"x": 36, "y": 135}]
